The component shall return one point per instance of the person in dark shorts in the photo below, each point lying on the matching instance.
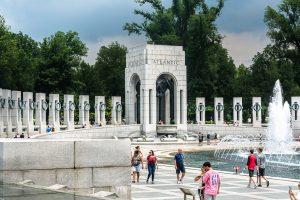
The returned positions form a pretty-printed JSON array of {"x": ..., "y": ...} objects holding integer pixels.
[
  {"x": 251, "y": 164},
  {"x": 179, "y": 166},
  {"x": 200, "y": 137},
  {"x": 201, "y": 187},
  {"x": 261, "y": 167}
]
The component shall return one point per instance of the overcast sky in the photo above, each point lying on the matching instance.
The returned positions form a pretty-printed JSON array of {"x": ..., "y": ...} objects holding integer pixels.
[{"x": 99, "y": 22}]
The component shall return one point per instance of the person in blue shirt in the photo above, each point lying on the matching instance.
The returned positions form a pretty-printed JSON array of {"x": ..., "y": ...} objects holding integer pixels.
[
  {"x": 179, "y": 166},
  {"x": 48, "y": 130}
]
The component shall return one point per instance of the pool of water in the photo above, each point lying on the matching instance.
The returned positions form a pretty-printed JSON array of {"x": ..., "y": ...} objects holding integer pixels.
[
  {"x": 15, "y": 192},
  {"x": 196, "y": 159}
]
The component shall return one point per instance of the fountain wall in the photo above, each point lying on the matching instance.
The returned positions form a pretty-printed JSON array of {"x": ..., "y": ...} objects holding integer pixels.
[{"x": 77, "y": 163}]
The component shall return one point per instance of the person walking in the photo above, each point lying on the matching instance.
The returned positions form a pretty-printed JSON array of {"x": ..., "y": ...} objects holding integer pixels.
[
  {"x": 208, "y": 138},
  {"x": 251, "y": 164},
  {"x": 151, "y": 165},
  {"x": 179, "y": 165},
  {"x": 261, "y": 167},
  {"x": 200, "y": 138},
  {"x": 201, "y": 187},
  {"x": 212, "y": 181},
  {"x": 136, "y": 162}
]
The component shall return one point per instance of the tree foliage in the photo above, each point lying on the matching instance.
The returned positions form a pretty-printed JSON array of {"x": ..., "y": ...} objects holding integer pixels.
[{"x": 61, "y": 56}]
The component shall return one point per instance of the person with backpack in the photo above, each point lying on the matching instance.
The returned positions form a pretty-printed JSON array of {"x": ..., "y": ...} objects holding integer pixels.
[
  {"x": 136, "y": 162},
  {"x": 151, "y": 166},
  {"x": 251, "y": 165}
]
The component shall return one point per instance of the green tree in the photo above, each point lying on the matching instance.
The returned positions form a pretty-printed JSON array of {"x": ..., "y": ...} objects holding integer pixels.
[
  {"x": 28, "y": 60},
  {"x": 19, "y": 58},
  {"x": 61, "y": 56},
  {"x": 284, "y": 31},
  {"x": 110, "y": 69},
  {"x": 8, "y": 56}
]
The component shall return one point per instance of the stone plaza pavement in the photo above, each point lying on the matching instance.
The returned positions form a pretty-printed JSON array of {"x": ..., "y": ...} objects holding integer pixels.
[{"x": 233, "y": 187}]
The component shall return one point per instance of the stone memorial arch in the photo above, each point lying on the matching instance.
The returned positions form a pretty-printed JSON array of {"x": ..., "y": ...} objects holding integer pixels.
[{"x": 155, "y": 87}]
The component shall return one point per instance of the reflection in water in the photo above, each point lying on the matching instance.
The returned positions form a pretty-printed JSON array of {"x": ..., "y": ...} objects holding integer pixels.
[{"x": 16, "y": 192}]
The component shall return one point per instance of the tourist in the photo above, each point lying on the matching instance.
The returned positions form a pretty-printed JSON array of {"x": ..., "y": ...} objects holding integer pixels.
[
  {"x": 137, "y": 148},
  {"x": 251, "y": 164},
  {"x": 48, "y": 130},
  {"x": 216, "y": 137},
  {"x": 22, "y": 135},
  {"x": 179, "y": 165},
  {"x": 136, "y": 162},
  {"x": 201, "y": 187},
  {"x": 261, "y": 167},
  {"x": 260, "y": 139},
  {"x": 295, "y": 195},
  {"x": 16, "y": 136},
  {"x": 160, "y": 122},
  {"x": 200, "y": 137},
  {"x": 212, "y": 182},
  {"x": 208, "y": 138},
  {"x": 151, "y": 165}
]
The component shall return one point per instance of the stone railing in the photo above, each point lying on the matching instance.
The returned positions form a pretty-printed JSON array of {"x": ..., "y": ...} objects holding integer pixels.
[{"x": 105, "y": 132}]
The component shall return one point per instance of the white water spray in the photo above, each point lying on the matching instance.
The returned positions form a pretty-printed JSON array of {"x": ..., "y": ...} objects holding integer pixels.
[{"x": 279, "y": 130}]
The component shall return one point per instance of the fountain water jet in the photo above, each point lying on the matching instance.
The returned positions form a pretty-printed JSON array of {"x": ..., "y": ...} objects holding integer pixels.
[{"x": 279, "y": 132}]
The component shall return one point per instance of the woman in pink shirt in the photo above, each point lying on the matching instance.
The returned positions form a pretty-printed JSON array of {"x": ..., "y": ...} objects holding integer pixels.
[{"x": 212, "y": 182}]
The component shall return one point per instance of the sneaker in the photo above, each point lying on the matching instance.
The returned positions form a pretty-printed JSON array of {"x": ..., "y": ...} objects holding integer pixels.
[
  {"x": 180, "y": 181},
  {"x": 259, "y": 185},
  {"x": 133, "y": 181},
  {"x": 268, "y": 183},
  {"x": 152, "y": 182},
  {"x": 255, "y": 186},
  {"x": 147, "y": 181}
]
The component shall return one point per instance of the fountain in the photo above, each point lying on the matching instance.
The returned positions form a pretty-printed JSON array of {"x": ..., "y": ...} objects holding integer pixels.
[
  {"x": 279, "y": 132},
  {"x": 280, "y": 149}
]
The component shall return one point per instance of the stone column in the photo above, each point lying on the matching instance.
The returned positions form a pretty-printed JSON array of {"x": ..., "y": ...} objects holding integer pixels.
[
  {"x": 17, "y": 111},
  {"x": 28, "y": 112},
  {"x": 295, "y": 103},
  {"x": 256, "y": 111},
  {"x": 40, "y": 112},
  {"x": 167, "y": 107},
  {"x": 200, "y": 110},
  {"x": 54, "y": 114},
  {"x": 69, "y": 108},
  {"x": 237, "y": 111},
  {"x": 116, "y": 112},
  {"x": 84, "y": 110},
  {"x": 100, "y": 108},
  {"x": 181, "y": 108},
  {"x": 219, "y": 111},
  {"x": 1, "y": 112},
  {"x": 7, "y": 112}
]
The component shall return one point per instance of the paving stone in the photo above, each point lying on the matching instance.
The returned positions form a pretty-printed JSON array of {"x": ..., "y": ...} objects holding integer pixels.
[{"x": 233, "y": 187}]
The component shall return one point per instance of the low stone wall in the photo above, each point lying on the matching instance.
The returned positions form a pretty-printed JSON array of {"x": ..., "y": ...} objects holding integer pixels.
[
  {"x": 226, "y": 130},
  {"x": 120, "y": 131},
  {"x": 80, "y": 164}
]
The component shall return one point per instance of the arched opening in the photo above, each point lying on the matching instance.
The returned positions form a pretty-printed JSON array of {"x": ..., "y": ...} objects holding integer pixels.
[
  {"x": 165, "y": 93},
  {"x": 136, "y": 98}
]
